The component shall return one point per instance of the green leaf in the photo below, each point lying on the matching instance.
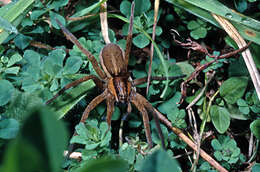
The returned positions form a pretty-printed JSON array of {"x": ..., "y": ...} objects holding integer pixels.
[
  {"x": 13, "y": 13},
  {"x": 244, "y": 110},
  {"x": 255, "y": 128},
  {"x": 6, "y": 92},
  {"x": 192, "y": 25},
  {"x": 127, "y": 152},
  {"x": 36, "y": 14},
  {"x": 71, "y": 97},
  {"x": 58, "y": 4},
  {"x": 72, "y": 65},
  {"x": 39, "y": 145},
  {"x": 256, "y": 167},
  {"x": 14, "y": 59},
  {"x": 86, "y": 11},
  {"x": 160, "y": 161},
  {"x": 220, "y": 118},
  {"x": 20, "y": 103},
  {"x": 54, "y": 85},
  {"x": 218, "y": 155},
  {"x": 246, "y": 26},
  {"x": 104, "y": 165},
  {"x": 24, "y": 156},
  {"x": 198, "y": 33},
  {"x": 141, "y": 6},
  {"x": 235, "y": 113},
  {"x": 170, "y": 105},
  {"x": 55, "y": 16},
  {"x": 186, "y": 68},
  {"x": 8, "y": 128},
  {"x": 7, "y": 26},
  {"x": 233, "y": 89},
  {"x": 125, "y": 8},
  {"x": 241, "y": 102},
  {"x": 32, "y": 58},
  {"x": 241, "y": 5},
  {"x": 12, "y": 70},
  {"x": 22, "y": 41},
  {"x": 216, "y": 145},
  {"x": 140, "y": 41}
]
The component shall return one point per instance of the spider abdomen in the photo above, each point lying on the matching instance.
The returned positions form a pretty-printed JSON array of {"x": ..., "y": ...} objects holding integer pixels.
[{"x": 112, "y": 59}]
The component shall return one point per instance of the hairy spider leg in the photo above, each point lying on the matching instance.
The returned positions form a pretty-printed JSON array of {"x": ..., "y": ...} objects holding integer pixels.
[
  {"x": 140, "y": 106},
  {"x": 97, "y": 81},
  {"x": 143, "y": 80},
  {"x": 96, "y": 101},
  {"x": 130, "y": 35},
  {"x": 91, "y": 58},
  {"x": 150, "y": 108},
  {"x": 110, "y": 109}
]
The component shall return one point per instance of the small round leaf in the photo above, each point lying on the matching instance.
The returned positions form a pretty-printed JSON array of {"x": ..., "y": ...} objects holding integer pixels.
[
  {"x": 220, "y": 118},
  {"x": 255, "y": 128},
  {"x": 6, "y": 92}
]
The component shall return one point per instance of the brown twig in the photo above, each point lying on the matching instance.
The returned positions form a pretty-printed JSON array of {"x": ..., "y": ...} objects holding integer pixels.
[
  {"x": 197, "y": 71},
  {"x": 178, "y": 132},
  {"x": 156, "y": 10}
]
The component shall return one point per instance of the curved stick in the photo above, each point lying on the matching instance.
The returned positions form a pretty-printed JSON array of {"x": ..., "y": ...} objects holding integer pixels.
[
  {"x": 103, "y": 22},
  {"x": 178, "y": 132},
  {"x": 91, "y": 58},
  {"x": 97, "y": 81}
]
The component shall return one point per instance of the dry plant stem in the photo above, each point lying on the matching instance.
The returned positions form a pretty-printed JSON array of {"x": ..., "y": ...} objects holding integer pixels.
[
  {"x": 233, "y": 33},
  {"x": 251, "y": 144},
  {"x": 156, "y": 9},
  {"x": 205, "y": 66},
  {"x": 178, "y": 132},
  {"x": 197, "y": 137},
  {"x": 41, "y": 45},
  {"x": 103, "y": 21},
  {"x": 194, "y": 101},
  {"x": 80, "y": 18}
]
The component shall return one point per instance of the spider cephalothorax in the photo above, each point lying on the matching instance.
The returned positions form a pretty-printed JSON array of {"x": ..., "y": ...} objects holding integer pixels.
[
  {"x": 112, "y": 59},
  {"x": 114, "y": 79}
]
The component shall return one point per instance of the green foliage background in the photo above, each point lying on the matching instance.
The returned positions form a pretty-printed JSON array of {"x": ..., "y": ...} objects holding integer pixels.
[{"x": 32, "y": 137}]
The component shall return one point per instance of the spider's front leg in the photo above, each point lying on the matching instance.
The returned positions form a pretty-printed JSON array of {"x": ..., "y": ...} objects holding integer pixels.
[
  {"x": 97, "y": 81},
  {"x": 96, "y": 101},
  {"x": 139, "y": 105},
  {"x": 110, "y": 109}
]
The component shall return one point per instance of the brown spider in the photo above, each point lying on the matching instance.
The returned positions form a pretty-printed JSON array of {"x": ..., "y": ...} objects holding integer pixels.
[{"x": 114, "y": 80}]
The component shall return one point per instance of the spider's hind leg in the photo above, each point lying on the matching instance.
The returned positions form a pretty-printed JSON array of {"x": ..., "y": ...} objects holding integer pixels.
[
  {"x": 150, "y": 108},
  {"x": 140, "y": 106}
]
